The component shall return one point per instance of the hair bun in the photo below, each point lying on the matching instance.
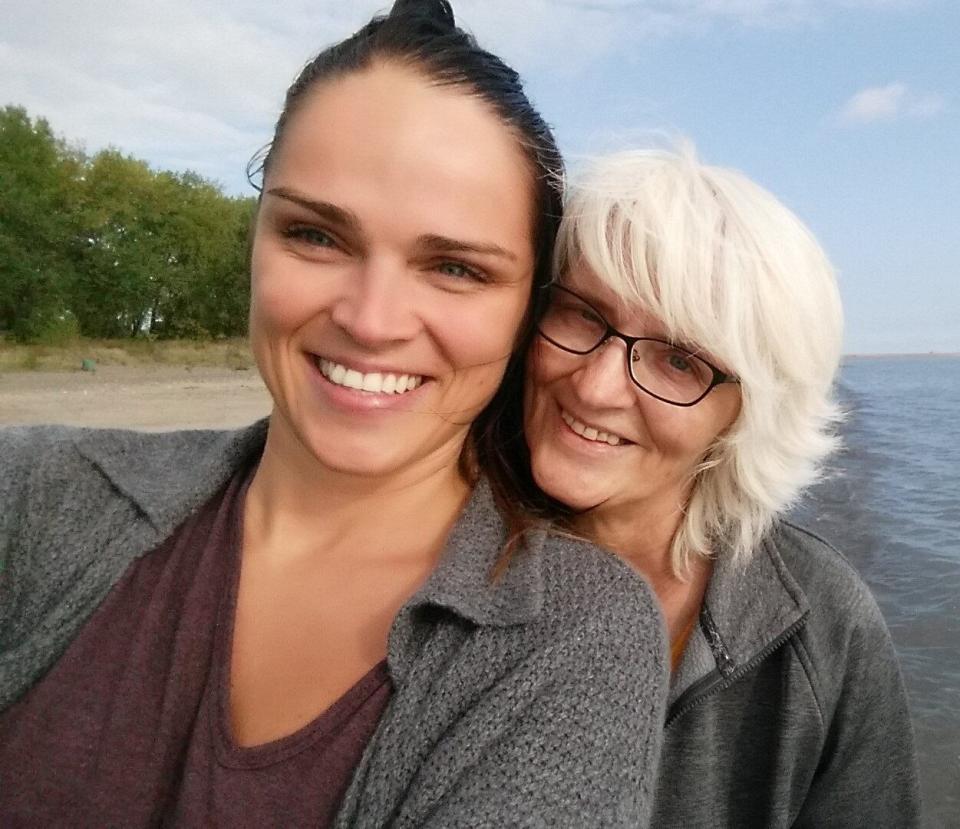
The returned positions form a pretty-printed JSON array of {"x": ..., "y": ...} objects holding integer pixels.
[{"x": 437, "y": 12}]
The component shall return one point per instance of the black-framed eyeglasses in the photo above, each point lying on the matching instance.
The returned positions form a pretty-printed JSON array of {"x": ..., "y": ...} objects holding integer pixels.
[{"x": 662, "y": 369}]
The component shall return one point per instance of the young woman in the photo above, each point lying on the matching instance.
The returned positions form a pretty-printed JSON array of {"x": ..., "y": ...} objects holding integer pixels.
[
  {"x": 298, "y": 624},
  {"x": 679, "y": 399}
]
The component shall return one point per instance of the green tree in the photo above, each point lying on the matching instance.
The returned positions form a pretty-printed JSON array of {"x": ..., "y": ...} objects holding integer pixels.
[
  {"x": 123, "y": 252},
  {"x": 39, "y": 176},
  {"x": 206, "y": 293},
  {"x": 113, "y": 247}
]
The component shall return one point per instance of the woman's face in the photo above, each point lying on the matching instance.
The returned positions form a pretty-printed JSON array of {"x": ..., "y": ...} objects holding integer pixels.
[
  {"x": 391, "y": 269},
  {"x": 660, "y": 445}
]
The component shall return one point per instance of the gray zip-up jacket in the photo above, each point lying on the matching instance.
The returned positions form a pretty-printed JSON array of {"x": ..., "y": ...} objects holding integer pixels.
[
  {"x": 537, "y": 700},
  {"x": 788, "y": 707}
]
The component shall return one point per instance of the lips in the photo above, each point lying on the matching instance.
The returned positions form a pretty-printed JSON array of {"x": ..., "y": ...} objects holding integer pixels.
[
  {"x": 374, "y": 382},
  {"x": 592, "y": 433}
]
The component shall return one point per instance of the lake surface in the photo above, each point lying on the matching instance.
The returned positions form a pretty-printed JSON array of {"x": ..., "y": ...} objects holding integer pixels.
[{"x": 892, "y": 506}]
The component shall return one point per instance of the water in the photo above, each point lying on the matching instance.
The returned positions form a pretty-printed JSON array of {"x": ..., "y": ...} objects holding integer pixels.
[{"x": 892, "y": 505}]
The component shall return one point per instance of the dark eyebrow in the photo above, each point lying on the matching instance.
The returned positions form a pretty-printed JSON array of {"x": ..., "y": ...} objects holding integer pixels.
[
  {"x": 443, "y": 244},
  {"x": 350, "y": 221},
  {"x": 326, "y": 210}
]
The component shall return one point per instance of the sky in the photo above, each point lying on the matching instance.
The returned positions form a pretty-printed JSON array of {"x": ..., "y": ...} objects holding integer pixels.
[{"x": 847, "y": 110}]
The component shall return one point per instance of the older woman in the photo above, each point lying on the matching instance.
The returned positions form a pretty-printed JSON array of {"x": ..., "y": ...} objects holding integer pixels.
[
  {"x": 296, "y": 624},
  {"x": 679, "y": 399}
]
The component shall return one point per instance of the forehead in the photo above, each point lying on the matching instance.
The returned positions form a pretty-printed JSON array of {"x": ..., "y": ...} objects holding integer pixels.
[
  {"x": 630, "y": 317},
  {"x": 388, "y": 138}
]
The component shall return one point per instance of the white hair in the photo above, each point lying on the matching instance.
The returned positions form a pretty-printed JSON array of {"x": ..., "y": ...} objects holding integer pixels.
[{"x": 721, "y": 263}]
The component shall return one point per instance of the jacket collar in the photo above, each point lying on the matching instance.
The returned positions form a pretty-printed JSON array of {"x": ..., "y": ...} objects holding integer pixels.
[
  {"x": 169, "y": 474},
  {"x": 750, "y": 603},
  {"x": 463, "y": 582}
]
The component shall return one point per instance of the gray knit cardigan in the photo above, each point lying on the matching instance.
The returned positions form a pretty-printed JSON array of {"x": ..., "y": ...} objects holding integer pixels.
[{"x": 535, "y": 700}]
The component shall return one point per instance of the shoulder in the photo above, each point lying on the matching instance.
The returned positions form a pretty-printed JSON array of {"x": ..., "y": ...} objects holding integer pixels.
[
  {"x": 65, "y": 473},
  {"x": 51, "y": 467},
  {"x": 24, "y": 447},
  {"x": 40, "y": 451},
  {"x": 77, "y": 506},
  {"x": 836, "y": 592},
  {"x": 551, "y": 578},
  {"x": 602, "y": 605},
  {"x": 845, "y": 639},
  {"x": 849, "y": 658},
  {"x": 38, "y": 461},
  {"x": 65, "y": 490},
  {"x": 581, "y": 578}
]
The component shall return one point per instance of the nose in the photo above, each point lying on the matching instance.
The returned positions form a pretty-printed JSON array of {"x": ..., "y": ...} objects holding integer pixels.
[
  {"x": 602, "y": 381},
  {"x": 376, "y": 305}
]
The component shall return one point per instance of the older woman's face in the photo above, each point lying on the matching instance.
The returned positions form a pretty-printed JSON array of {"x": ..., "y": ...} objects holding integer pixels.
[
  {"x": 659, "y": 445},
  {"x": 391, "y": 269}
]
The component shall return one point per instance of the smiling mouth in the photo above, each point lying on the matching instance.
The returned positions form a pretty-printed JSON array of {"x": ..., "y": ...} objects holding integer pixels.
[
  {"x": 592, "y": 433},
  {"x": 375, "y": 382}
]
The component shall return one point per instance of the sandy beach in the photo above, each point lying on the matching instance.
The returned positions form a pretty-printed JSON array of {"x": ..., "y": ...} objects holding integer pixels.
[{"x": 151, "y": 398}]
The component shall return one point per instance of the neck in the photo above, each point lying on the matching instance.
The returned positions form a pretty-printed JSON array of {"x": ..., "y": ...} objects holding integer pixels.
[
  {"x": 641, "y": 538},
  {"x": 297, "y": 506}
]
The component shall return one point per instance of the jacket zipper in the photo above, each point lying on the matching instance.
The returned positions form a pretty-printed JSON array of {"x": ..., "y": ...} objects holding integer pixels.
[{"x": 715, "y": 682}]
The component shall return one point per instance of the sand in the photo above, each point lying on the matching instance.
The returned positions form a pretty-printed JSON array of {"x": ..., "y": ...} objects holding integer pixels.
[{"x": 151, "y": 398}]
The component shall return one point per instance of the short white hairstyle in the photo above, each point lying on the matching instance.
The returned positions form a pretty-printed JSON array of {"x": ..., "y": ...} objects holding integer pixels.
[{"x": 722, "y": 264}]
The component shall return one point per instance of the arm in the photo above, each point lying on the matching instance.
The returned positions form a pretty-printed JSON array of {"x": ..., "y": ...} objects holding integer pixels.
[
  {"x": 56, "y": 522},
  {"x": 15, "y": 456},
  {"x": 867, "y": 775}
]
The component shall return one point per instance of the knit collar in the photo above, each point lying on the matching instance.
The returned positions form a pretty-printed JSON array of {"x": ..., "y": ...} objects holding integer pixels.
[
  {"x": 169, "y": 474},
  {"x": 463, "y": 581}
]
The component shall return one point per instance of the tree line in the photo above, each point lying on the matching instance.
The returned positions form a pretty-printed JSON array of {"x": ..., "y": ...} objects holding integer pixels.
[{"x": 104, "y": 246}]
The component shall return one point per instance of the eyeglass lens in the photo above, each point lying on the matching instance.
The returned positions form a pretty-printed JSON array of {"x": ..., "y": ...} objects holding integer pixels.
[{"x": 664, "y": 370}]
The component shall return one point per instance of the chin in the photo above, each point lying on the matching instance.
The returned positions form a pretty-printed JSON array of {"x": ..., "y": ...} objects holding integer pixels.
[
  {"x": 576, "y": 495},
  {"x": 363, "y": 462},
  {"x": 349, "y": 454}
]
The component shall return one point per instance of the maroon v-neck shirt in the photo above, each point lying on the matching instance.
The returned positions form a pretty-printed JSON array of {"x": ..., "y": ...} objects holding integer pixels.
[{"x": 131, "y": 727}]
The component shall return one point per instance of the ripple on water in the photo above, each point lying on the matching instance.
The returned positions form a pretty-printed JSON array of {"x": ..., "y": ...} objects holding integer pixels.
[{"x": 891, "y": 504}]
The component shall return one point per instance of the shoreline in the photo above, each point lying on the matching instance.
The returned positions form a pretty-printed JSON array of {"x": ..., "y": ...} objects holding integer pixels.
[
  {"x": 902, "y": 355},
  {"x": 144, "y": 397}
]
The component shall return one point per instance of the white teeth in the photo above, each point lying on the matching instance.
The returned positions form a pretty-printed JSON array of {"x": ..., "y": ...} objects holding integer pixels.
[
  {"x": 590, "y": 432},
  {"x": 375, "y": 382}
]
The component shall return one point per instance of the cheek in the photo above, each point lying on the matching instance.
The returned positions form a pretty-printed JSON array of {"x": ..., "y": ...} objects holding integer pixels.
[
  {"x": 542, "y": 365},
  {"x": 547, "y": 370},
  {"x": 685, "y": 436},
  {"x": 282, "y": 295},
  {"x": 484, "y": 335},
  {"x": 541, "y": 370}
]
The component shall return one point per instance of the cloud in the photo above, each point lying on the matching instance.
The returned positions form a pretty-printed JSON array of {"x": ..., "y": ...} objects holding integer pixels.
[
  {"x": 890, "y": 103},
  {"x": 202, "y": 81}
]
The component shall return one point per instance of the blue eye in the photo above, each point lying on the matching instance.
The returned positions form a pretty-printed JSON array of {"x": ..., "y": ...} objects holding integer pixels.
[
  {"x": 310, "y": 235},
  {"x": 679, "y": 361},
  {"x": 590, "y": 316},
  {"x": 460, "y": 271}
]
